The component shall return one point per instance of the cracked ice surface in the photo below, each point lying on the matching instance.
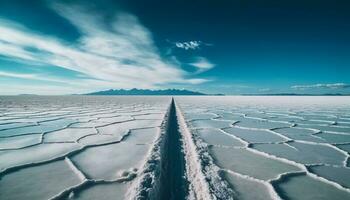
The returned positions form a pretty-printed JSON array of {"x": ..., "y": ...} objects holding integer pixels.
[
  {"x": 273, "y": 147},
  {"x": 77, "y": 147}
]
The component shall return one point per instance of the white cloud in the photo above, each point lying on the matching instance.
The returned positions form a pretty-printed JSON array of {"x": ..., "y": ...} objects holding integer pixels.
[
  {"x": 189, "y": 45},
  {"x": 198, "y": 80},
  {"x": 81, "y": 83},
  {"x": 18, "y": 75},
  {"x": 120, "y": 54},
  {"x": 202, "y": 64},
  {"x": 322, "y": 86}
]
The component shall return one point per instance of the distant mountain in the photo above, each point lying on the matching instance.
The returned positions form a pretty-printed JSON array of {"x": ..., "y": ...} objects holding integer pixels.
[{"x": 146, "y": 92}]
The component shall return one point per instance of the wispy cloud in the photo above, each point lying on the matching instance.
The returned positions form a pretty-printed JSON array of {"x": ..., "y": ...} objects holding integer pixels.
[
  {"x": 202, "y": 64},
  {"x": 82, "y": 83},
  {"x": 18, "y": 75},
  {"x": 190, "y": 45},
  {"x": 120, "y": 54},
  {"x": 322, "y": 86}
]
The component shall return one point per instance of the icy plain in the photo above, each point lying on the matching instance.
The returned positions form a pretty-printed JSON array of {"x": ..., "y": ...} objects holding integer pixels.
[
  {"x": 75, "y": 147},
  {"x": 272, "y": 147},
  {"x": 239, "y": 147}
]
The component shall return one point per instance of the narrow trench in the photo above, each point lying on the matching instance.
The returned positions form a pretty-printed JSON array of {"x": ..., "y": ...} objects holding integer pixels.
[{"x": 173, "y": 184}]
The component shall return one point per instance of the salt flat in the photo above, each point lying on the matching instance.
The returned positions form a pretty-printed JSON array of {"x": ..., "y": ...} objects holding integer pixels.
[
  {"x": 78, "y": 147},
  {"x": 273, "y": 147},
  {"x": 230, "y": 147}
]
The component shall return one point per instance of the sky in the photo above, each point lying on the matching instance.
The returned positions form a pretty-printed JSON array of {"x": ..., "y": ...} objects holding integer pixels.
[{"x": 223, "y": 46}]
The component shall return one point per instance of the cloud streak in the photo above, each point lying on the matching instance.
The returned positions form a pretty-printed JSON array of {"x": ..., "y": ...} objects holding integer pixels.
[
  {"x": 190, "y": 45},
  {"x": 322, "y": 86},
  {"x": 202, "y": 64},
  {"x": 120, "y": 54}
]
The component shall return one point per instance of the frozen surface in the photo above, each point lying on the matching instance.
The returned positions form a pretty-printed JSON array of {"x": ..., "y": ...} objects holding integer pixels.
[
  {"x": 255, "y": 136},
  {"x": 38, "y": 182},
  {"x": 307, "y": 188},
  {"x": 304, "y": 153},
  {"x": 273, "y": 147},
  {"x": 217, "y": 137},
  {"x": 19, "y": 141},
  {"x": 244, "y": 147},
  {"x": 300, "y": 134},
  {"x": 68, "y": 134},
  {"x": 246, "y": 162},
  {"x": 243, "y": 188},
  {"x": 109, "y": 161},
  {"x": 345, "y": 147},
  {"x": 108, "y": 191},
  {"x": 35, "y": 154},
  {"x": 340, "y": 175},
  {"x": 76, "y": 147}
]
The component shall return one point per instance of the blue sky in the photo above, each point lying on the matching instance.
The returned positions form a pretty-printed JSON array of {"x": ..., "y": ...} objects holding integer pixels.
[{"x": 231, "y": 47}]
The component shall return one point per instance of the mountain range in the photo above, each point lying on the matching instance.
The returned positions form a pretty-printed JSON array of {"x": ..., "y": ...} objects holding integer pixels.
[{"x": 135, "y": 91}]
